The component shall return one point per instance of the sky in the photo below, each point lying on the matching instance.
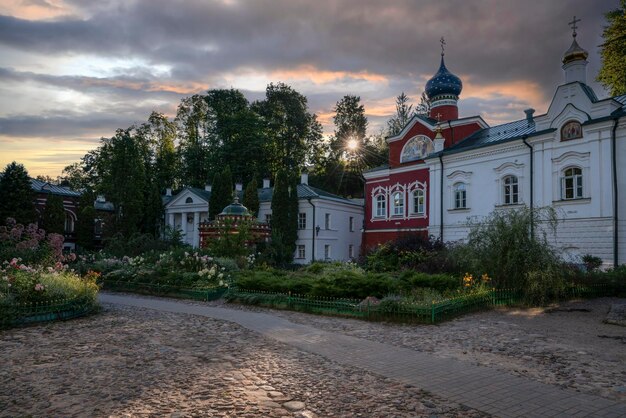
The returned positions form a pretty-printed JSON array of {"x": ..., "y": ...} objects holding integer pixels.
[{"x": 73, "y": 71}]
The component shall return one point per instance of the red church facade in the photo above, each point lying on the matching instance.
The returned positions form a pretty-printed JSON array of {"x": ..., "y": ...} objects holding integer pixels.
[{"x": 396, "y": 195}]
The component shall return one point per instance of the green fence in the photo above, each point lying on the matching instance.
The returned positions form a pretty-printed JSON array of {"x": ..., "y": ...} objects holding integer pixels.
[
  {"x": 205, "y": 294},
  {"x": 406, "y": 312},
  {"x": 29, "y": 313}
]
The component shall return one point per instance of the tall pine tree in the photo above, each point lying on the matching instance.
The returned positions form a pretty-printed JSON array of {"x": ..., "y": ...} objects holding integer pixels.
[
  {"x": 284, "y": 218},
  {"x": 221, "y": 192},
  {"x": 251, "y": 197}
]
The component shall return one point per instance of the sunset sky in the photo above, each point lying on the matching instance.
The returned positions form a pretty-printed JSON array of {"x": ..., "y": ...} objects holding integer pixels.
[{"x": 73, "y": 71}]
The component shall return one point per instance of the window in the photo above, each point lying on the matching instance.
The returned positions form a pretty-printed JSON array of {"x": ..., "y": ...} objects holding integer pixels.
[
  {"x": 511, "y": 190},
  {"x": 419, "y": 198},
  {"x": 460, "y": 196},
  {"x": 327, "y": 221},
  {"x": 381, "y": 206},
  {"x": 301, "y": 252},
  {"x": 69, "y": 223},
  {"x": 326, "y": 252},
  {"x": 351, "y": 251},
  {"x": 398, "y": 203},
  {"x": 572, "y": 183},
  {"x": 189, "y": 200},
  {"x": 571, "y": 130},
  {"x": 351, "y": 224},
  {"x": 268, "y": 218},
  {"x": 302, "y": 220}
]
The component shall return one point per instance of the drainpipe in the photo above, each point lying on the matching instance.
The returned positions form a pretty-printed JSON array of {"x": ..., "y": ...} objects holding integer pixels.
[
  {"x": 441, "y": 200},
  {"x": 615, "y": 190},
  {"x": 312, "y": 231},
  {"x": 532, "y": 180}
]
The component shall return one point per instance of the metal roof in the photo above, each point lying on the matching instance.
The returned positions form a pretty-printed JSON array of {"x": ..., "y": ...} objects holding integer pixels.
[
  {"x": 307, "y": 192},
  {"x": 495, "y": 134},
  {"x": 45, "y": 187}
]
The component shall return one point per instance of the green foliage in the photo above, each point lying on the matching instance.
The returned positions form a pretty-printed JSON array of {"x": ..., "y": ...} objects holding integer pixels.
[
  {"x": 251, "y": 197},
  {"x": 221, "y": 192},
  {"x": 16, "y": 195},
  {"x": 233, "y": 239},
  {"x": 409, "y": 280},
  {"x": 53, "y": 216},
  {"x": 592, "y": 263},
  {"x": 612, "y": 74},
  {"x": 411, "y": 251},
  {"x": 162, "y": 134},
  {"x": 284, "y": 218},
  {"x": 350, "y": 125},
  {"x": 136, "y": 244},
  {"x": 86, "y": 221},
  {"x": 404, "y": 112},
  {"x": 503, "y": 247}
]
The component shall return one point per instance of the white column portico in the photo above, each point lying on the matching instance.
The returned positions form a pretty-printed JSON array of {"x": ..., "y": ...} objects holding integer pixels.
[{"x": 196, "y": 233}]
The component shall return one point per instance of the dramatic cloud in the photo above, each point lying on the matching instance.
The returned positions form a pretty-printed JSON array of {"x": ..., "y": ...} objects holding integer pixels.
[{"x": 71, "y": 68}]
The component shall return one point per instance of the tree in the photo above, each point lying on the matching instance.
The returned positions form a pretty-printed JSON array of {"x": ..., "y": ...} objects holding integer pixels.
[
  {"x": 196, "y": 132},
  {"x": 251, "y": 197},
  {"x": 404, "y": 112},
  {"x": 612, "y": 74},
  {"x": 350, "y": 126},
  {"x": 86, "y": 221},
  {"x": 163, "y": 135},
  {"x": 221, "y": 192},
  {"x": 292, "y": 134},
  {"x": 53, "y": 216},
  {"x": 424, "y": 107},
  {"x": 16, "y": 195},
  {"x": 284, "y": 218}
]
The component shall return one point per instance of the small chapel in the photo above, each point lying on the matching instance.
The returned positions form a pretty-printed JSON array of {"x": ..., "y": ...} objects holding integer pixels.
[{"x": 445, "y": 171}]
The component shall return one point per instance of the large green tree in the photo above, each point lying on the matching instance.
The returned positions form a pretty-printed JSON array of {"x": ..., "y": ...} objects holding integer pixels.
[
  {"x": 293, "y": 135},
  {"x": 53, "y": 215},
  {"x": 161, "y": 134},
  {"x": 284, "y": 217},
  {"x": 221, "y": 192},
  {"x": 196, "y": 132},
  {"x": 350, "y": 126},
  {"x": 16, "y": 195},
  {"x": 612, "y": 74},
  {"x": 86, "y": 221}
]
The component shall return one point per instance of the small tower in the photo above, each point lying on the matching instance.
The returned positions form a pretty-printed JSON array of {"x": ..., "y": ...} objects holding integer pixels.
[
  {"x": 575, "y": 59},
  {"x": 443, "y": 91}
]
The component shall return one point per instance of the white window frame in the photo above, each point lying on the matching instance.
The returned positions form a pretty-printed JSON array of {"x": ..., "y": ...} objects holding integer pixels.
[
  {"x": 577, "y": 179},
  {"x": 511, "y": 191},
  {"x": 397, "y": 210},
  {"x": 418, "y": 208},
  {"x": 459, "y": 195},
  {"x": 326, "y": 251},
  {"x": 350, "y": 251},
  {"x": 302, "y": 220},
  {"x": 327, "y": 221},
  {"x": 351, "y": 223},
  {"x": 301, "y": 252},
  {"x": 268, "y": 218},
  {"x": 380, "y": 206}
]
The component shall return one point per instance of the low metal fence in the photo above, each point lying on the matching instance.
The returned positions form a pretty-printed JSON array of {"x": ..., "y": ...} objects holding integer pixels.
[
  {"x": 18, "y": 314},
  {"x": 204, "y": 294}
]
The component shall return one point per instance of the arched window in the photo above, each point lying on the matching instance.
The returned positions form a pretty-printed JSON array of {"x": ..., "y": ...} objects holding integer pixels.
[
  {"x": 511, "y": 190},
  {"x": 380, "y": 203},
  {"x": 189, "y": 200},
  {"x": 418, "y": 201},
  {"x": 69, "y": 223},
  {"x": 397, "y": 202},
  {"x": 460, "y": 196},
  {"x": 572, "y": 183}
]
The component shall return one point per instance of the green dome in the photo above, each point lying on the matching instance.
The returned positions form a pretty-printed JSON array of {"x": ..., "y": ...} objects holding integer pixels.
[{"x": 235, "y": 209}]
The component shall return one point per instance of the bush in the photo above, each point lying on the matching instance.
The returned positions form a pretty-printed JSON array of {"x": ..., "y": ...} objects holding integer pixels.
[
  {"x": 440, "y": 282},
  {"x": 411, "y": 251}
]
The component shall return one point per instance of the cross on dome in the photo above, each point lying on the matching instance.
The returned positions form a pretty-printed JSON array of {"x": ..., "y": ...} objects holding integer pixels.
[
  {"x": 443, "y": 43},
  {"x": 572, "y": 25}
]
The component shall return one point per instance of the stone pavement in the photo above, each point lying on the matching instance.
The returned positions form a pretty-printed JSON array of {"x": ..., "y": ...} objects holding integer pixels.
[{"x": 481, "y": 388}]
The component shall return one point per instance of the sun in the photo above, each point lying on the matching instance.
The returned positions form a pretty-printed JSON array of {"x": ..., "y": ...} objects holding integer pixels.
[{"x": 352, "y": 144}]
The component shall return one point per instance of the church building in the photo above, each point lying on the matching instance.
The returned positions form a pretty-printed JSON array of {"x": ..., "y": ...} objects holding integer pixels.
[{"x": 444, "y": 171}]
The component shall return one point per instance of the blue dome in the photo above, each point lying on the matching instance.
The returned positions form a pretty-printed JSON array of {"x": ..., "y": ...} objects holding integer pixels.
[{"x": 444, "y": 83}]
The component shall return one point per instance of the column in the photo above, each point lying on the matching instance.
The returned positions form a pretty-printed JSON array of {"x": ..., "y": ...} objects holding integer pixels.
[
  {"x": 183, "y": 226},
  {"x": 196, "y": 232},
  {"x": 171, "y": 221}
]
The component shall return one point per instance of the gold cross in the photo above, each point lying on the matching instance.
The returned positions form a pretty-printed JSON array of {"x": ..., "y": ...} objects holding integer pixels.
[
  {"x": 572, "y": 25},
  {"x": 443, "y": 44},
  {"x": 438, "y": 117}
]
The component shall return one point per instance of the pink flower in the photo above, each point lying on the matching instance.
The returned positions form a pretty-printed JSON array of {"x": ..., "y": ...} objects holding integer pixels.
[{"x": 39, "y": 287}]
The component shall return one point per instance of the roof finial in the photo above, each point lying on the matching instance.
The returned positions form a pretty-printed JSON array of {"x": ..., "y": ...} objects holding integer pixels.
[
  {"x": 443, "y": 44},
  {"x": 572, "y": 25}
]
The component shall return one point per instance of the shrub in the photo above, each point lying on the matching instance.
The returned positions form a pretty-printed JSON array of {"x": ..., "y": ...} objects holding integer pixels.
[
  {"x": 411, "y": 251},
  {"x": 441, "y": 282},
  {"x": 592, "y": 263}
]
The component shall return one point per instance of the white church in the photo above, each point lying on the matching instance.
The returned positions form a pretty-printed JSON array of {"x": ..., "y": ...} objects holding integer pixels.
[{"x": 572, "y": 158}]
